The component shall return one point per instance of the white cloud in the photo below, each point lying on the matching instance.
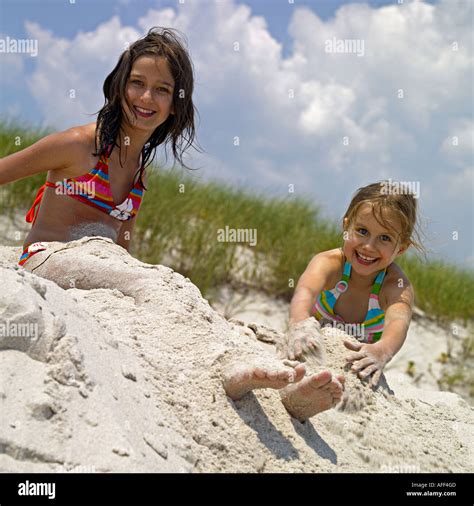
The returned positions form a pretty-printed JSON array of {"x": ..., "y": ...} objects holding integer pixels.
[
  {"x": 326, "y": 106},
  {"x": 67, "y": 81},
  {"x": 11, "y": 65}
]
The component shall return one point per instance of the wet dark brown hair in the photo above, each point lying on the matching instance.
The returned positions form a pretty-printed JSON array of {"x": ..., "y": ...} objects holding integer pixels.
[
  {"x": 389, "y": 198},
  {"x": 178, "y": 130}
]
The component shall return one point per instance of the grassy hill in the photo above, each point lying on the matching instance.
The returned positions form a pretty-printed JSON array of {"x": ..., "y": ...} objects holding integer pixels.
[{"x": 181, "y": 221}]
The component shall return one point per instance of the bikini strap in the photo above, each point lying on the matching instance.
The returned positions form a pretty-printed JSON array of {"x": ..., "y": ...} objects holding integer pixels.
[
  {"x": 378, "y": 282},
  {"x": 347, "y": 271},
  {"x": 139, "y": 172},
  {"x": 33, "y": 212},
  {"x": 343, "y": 284}
]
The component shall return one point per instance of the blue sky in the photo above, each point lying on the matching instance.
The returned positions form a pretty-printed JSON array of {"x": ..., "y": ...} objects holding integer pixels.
[
  {"x": 425, "y": 136},
  {"x": 58, "y": 16},
  {"x": 66, "y": 18}
]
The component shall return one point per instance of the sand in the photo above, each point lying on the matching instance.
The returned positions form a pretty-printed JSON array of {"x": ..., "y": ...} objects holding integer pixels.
[{"x": 130, "y": 381}]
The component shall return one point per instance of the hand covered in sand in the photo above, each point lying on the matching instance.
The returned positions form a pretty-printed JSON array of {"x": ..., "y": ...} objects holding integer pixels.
[
  {"x": 368, "y": 359},
  {"x": 303, "y": 338}
]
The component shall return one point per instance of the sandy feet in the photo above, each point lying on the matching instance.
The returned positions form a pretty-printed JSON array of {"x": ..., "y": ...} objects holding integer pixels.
[
  {"x": 312, "y": 395},
  {"x": 242, "y": 378},
  {"x": 303, "y": 397}
]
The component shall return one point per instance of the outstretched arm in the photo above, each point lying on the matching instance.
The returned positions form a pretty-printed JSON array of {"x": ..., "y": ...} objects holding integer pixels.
[
  {"x": 311, "y": 282},
  {"x": 397, "y": 319},
  {"x": 53, "y": 152},
  {"x": 303, "y": 337}
]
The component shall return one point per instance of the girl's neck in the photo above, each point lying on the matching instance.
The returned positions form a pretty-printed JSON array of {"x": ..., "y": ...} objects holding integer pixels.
[
  {"x": 131, "y": 142},
  {"x": 362, "y": 282}
]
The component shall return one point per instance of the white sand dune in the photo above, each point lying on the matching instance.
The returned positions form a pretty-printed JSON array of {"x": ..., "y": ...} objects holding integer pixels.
[{"x": 123, "y": 384}]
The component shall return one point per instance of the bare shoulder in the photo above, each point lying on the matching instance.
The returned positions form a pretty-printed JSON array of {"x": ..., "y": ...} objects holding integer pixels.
[
  {"x": 327, "y": 266},
  {"x": 395, "y": 275},
  {"x": 82, "y": 139},
  {"x": 81, "y": 143},
  {"x": 82, "y": 133},
  {"x": 396, "y": 287},
  {"x": 330, "y": 258},
  {"x": 68, "y": 143}
]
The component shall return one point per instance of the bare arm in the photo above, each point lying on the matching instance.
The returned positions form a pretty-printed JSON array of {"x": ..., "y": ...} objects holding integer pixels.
[
  {"x": 400, "y": 302},
  {"x": 125, "y": 234},
  {"x": 53, "y": 152},
  {"x": 303, "y": 336},
  {"x": 311, "y": 282}
]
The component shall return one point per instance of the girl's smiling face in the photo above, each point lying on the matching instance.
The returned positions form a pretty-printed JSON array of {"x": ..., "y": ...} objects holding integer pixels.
[
  {"x": 368, "y": 245},
  {"x": 149, "y": 93}
]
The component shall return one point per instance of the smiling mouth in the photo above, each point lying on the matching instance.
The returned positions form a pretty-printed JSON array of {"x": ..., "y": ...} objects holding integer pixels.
[
  {"x": 144, "y": 113},
  {"x": 365, "y": 260}
]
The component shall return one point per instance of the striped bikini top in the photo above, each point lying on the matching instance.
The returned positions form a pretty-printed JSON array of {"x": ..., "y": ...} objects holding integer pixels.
[
  {"x": 370, "y": 331},
  {"x": 94, "y": 190}
]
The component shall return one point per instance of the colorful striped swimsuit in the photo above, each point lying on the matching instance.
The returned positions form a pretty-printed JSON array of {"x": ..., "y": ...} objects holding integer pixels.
[
  {"x": 98, "y": 195},
  {"x": 372, "y": 326}
]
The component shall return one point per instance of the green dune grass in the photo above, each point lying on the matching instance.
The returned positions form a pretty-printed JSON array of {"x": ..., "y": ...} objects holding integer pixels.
[{"x": 180, "y": 219}]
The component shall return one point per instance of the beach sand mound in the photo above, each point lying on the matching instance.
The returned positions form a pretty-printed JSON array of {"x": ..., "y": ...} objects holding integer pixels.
[{"x": 105, "y": 382}]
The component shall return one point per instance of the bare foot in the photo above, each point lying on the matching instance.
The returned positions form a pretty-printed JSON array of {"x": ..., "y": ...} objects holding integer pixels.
[
  {"x": 242, "y": 378},
  {"x": 312, "y": 395}
]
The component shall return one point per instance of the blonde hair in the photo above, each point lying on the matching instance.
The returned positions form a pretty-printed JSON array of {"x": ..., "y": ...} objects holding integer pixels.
[{"x": 389, "y": 197}]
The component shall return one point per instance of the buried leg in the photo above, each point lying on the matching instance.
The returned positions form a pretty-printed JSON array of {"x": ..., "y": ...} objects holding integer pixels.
[
  {"x": 241, "y": 378},
  {"x": 96, "y": 262}
]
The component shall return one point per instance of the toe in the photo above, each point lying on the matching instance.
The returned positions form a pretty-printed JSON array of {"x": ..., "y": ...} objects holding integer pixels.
[
  {"x": 259, "y": 373},
  {"x": 300, "y": 371},
  {"x": 320, "y": 379},
  {"x": 273, "y": 375},
  {"x": 336, "y": 388},
  {"x": 285, "y": 375},
  {"x": 337, "y": 396}
]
